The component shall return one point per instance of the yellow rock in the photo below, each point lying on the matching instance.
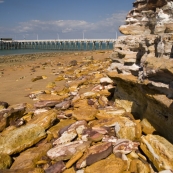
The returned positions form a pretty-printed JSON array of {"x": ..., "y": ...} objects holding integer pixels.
[
  {"x": 124, "y": 127},
  {"x": 32, "y": 170},
  {"x": 133, "y": 155},
  {"x": 104, "y": 93},
  {"x": 55, "y": 129},
  {"x": 109, "y": 165},
  {"x": 44, "y": 77},
  {"x": 5, "y": 161},
  {"x": 30, "y": 157},
  {"x": 74, "y": 158},
  {"x": 44, "y": 119},
  {"x": 28, "y": 116},
  {"x": 158, "y": 150},
  {"x": 71, "y": 170},
  {"x": 98, "y": 75},
  {"x": 147, "y": 128},
  {"x": 89, "y": 94},
  {"x": 75, "y": 84},
  {"x": 59, "y": 78},
  {"x": 21, "y": 138},
  {"x": 110, "y": 113},
  {"x": 51, "y": 85},
  {"x": 80, "y": 103},
  {"x": 85, "y": 113},
  {"x": 138, "y": 166}
]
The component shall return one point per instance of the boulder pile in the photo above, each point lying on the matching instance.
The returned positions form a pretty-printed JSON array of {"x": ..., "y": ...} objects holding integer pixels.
[
  {"x": 101, "y": 116},
  {"x": 77, "y": 127}
]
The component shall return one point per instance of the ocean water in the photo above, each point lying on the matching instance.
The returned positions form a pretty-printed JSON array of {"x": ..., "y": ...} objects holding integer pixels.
[{"x": 41, "y": 48}]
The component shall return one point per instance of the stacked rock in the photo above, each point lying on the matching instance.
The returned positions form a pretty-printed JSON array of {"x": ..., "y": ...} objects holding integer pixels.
[
  {"x": 142, "y": 67},
  {"x": 77, "y": 127}
]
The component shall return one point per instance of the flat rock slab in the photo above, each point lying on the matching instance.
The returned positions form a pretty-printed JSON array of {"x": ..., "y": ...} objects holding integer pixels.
[
  {"x": 108, "y": 165},
  {"x": 21, "y": 138},
  {"x": 54, "y": 130},
  {"x": 94, "y": 154},
  {"x": 66, "y": 151},
  {"x": 44, "y": 119},
  {"x": 85, "y": 113},
  {"x": 28, "y": 158},
  {"x": 158, "y": 150}
]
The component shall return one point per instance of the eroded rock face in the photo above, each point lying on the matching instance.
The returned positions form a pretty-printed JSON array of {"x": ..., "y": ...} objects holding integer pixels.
[
  {"x": 142, "y": 65},
  {"x": 149, "y": 16},
  {"x": 159, "y": 151}
]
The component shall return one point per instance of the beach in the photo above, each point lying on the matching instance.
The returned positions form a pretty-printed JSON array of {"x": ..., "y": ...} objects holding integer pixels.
[{"x": 17, "y": 72}]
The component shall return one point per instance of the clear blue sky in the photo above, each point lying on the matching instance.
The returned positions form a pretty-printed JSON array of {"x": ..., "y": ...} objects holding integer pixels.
[{"x": 52, "y": 19}]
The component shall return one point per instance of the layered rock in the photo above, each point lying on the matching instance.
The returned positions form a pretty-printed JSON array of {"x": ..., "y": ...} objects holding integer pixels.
[
  {"x": 149, "y": 17},
  {"x": 142, "y": 65}
]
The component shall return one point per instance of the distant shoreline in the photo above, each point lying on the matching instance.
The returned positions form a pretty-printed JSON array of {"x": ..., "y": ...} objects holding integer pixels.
[{"x": 19, "y": 58}]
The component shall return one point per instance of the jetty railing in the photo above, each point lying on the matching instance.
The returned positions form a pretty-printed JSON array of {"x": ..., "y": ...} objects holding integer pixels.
[{"x": 59, "y": 44}]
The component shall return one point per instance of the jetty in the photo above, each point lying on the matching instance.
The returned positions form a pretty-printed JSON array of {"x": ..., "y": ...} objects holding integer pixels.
[{"x": 58, "y": 44}]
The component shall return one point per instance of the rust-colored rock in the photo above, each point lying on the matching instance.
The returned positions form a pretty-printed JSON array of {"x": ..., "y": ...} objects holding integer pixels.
[
  {"x": 66, "y": 151},
  {"x": 94, "y": 154},
  {"x": 108, "y": 165}
]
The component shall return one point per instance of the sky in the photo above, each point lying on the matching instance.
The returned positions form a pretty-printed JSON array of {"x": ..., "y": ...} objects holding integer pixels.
[{"x": 62, "y": 19}]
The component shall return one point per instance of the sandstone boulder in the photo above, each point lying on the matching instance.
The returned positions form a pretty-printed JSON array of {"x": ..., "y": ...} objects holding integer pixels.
[
  {"x": 21, "y": 138},
  {"x": 54, "y": 130},
  {"x": 45, "y": 119},
  {"x": 158, "y": 150},
  {"x": 29, "y": 158},
  {"x": 108, "y": 165}
]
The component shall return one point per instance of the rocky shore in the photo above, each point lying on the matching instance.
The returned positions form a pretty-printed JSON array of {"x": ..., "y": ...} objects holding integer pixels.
[{"x": 96, "y": 112}]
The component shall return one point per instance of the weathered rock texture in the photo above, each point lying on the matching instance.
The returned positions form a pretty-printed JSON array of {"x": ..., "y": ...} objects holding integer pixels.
[
  {"x": 150, "y": 17},
  {"x": 142, "y": 65}
]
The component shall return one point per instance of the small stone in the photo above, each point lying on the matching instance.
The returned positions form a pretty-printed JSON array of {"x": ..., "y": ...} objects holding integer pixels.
[
  {"x": 72, "y": 63},
  {"x": 36, "y": 78},
  {"x": 75, "y": 158}
]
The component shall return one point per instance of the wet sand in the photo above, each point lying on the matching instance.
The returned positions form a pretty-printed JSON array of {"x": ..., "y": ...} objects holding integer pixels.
[{"x": 16, "y": 76}]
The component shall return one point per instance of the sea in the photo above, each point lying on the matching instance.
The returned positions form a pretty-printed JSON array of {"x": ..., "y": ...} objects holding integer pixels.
[{"x": 53, "y": 48}]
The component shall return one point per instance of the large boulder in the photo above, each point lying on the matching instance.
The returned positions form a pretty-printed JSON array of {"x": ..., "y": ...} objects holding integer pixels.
[
  {"x": 159, "y": 151},
  {"x": 21, "y": 138}
]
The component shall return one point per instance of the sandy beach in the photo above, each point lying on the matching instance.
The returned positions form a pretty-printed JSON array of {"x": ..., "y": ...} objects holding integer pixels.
[{"x": 18, "y": 71}]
